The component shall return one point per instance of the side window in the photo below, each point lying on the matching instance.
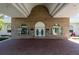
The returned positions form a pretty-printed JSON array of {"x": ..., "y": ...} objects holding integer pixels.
[
  {"x": 56, "y": 30},
  {"x": 24, "y": 29}
]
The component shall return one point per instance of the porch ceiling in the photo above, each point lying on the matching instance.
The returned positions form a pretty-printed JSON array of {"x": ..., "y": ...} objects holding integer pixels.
[{"x": 24, "y": 9}]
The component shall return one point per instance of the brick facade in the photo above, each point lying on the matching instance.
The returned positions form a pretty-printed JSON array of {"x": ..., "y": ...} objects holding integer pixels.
[{"x": 40, "y": 13}]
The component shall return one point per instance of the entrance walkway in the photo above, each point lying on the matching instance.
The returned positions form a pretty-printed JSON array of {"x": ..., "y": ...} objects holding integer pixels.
[{"x": 39, "y": 47}]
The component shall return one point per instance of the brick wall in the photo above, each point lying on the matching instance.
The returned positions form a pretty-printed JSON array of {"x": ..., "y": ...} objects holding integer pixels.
[{"x": 40, "y": 13}]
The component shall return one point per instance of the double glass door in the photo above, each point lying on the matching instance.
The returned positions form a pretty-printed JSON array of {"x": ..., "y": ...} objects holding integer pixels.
[{"x": 39, "y": 32}]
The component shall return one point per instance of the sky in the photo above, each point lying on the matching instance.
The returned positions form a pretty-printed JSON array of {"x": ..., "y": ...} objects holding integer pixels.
[{"x": 7, "y": 19}]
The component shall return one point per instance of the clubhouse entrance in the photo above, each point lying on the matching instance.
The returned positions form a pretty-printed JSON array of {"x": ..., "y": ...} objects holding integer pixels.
[{"x": 39, "y": 29}]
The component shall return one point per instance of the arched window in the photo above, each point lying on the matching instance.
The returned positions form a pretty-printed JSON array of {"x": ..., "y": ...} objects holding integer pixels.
[{"x": 56, "y": 29}]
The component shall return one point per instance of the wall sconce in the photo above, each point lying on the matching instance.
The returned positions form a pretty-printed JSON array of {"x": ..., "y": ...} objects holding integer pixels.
[
  {"x": 47, "y": 29},
  {"x": 31, "y": 29}
]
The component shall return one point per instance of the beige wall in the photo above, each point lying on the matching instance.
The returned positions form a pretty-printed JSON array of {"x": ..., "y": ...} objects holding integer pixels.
[{"x": 39, "y": 13}]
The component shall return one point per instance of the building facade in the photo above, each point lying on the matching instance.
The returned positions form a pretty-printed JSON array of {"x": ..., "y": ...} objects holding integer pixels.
[{"x": 40, "y": 24}]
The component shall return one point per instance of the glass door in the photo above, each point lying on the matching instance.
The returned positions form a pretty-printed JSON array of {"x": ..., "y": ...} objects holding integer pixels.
[{"x": 40, "y": 32}]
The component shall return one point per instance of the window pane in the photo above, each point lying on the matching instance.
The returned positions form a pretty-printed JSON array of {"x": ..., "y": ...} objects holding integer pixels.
[{"x": 42, "y": 32}]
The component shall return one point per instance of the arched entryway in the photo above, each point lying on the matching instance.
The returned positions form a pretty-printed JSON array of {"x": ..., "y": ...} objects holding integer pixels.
[{"x": 39, "y": 29}]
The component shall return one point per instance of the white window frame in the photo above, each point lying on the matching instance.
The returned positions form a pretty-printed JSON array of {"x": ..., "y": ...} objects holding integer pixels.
[{"x": 53, "y": 30}]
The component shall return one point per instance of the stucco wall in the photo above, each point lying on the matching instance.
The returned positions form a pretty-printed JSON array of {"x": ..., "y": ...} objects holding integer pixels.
[{"x": 39, "y": 13}]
